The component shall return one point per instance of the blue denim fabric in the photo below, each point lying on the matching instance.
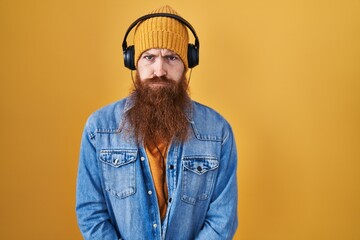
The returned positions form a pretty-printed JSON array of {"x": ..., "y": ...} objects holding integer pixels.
[{"x": 115, "y": 197}]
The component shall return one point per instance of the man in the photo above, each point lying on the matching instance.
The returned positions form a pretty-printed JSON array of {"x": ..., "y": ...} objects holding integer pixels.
[{"x": 157, "y": 165}]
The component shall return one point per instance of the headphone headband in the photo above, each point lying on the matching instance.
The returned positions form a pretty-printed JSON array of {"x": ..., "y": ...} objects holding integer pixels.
[{"x": 193, "y": 49}]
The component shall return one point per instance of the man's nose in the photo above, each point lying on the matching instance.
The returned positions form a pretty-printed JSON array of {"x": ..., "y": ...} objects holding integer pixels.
[{"x": 160, "y": 68}]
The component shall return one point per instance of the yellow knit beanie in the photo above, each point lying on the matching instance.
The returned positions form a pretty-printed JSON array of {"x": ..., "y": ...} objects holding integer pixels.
[{"x": 162, "y": 32}]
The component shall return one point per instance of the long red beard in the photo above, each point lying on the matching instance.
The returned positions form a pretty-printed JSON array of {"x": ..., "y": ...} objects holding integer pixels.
[{"x": 159, "y": 112}]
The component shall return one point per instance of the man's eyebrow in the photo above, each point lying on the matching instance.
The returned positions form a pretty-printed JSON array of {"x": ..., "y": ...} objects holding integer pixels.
[{"x": 170, "y": 54}]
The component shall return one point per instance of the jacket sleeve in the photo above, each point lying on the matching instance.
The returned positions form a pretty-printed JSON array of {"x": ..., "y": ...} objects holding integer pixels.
[
  {"x": 221, "y": 219},
  {"x": 92, "y": 213}
]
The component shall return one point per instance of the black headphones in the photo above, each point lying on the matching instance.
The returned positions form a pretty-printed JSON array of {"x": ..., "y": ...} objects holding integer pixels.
[{"x": 193, "y": 49}]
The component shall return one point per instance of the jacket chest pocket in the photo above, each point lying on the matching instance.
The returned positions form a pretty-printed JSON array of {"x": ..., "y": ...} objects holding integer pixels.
[
  {"x": 118, "y": 167},
  {"x": 198, "y": 175}
]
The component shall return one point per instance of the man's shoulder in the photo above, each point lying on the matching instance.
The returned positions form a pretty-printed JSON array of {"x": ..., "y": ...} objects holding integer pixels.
[
  {"x": 209, "y": 123},
  {"x": 201, "y": 111},
  {"x": 107, "y": 117}
]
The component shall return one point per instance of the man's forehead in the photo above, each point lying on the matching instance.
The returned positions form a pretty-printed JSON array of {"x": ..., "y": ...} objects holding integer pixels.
[{"x": 163, "y": 51}]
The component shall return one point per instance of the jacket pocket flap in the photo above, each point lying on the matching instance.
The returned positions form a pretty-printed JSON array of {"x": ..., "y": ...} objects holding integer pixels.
[
  {"x": 200, "y": 164},
  {"x": 117, "y": 158}
]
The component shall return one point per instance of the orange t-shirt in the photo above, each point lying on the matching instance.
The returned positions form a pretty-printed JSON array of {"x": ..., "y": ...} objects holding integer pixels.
[{"x": 157, "y": 162}]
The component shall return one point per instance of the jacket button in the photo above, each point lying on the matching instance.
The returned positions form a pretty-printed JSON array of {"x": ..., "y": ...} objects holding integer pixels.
[
  {"x": 171, "y": 167},
  {"x": 142, "y": 158},
  {"x": 199, "y": 168},
  {"x": 149, "y": 192}
]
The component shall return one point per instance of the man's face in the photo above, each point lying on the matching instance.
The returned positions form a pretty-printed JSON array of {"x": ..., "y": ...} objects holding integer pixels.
[
  {"x": 159, "y": 62},
  {"x": 160, "y": 98}
]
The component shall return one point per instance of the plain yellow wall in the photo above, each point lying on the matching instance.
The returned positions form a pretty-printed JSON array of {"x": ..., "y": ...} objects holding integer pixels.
[{"x": 286, "y": 74}]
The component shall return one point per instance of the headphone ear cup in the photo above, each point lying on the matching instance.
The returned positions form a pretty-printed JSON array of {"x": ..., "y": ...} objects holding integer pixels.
[
  {"x": 129, "y": 53},
  {"x": 193, "y": 55}
]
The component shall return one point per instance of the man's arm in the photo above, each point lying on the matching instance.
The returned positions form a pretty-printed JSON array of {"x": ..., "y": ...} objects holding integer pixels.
[
  {"x": 221, "y": 219},
  {"x": 92, "y": 213}
]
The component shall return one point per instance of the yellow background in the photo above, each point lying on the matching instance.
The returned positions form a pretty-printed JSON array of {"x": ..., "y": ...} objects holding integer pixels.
[{"x": 286, "y": 74}]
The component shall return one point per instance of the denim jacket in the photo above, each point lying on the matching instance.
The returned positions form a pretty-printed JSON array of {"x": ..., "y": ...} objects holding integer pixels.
[{"x": 115, "y": 196}]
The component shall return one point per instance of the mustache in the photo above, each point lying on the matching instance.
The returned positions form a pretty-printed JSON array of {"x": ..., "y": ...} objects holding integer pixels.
[{"x": 162, "y": 79}]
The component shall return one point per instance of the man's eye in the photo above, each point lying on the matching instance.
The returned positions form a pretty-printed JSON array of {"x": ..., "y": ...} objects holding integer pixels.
[
  {"x": 172, "y": 58},
  {"x": 148, "y": 57}
]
